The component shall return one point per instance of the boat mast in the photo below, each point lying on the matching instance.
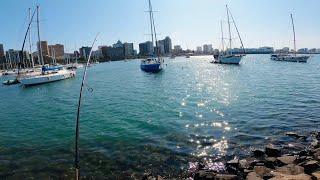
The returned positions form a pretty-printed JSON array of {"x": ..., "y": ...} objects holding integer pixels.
[
  {"x": 30, "y": 46},
  {"x": 151, "y": 24},
  {"x": 230, "y": 40},
  {"x": 222, "y": 38},
  {"x": 294, "y": 36},
  {"x": 40, "y": 56},
  {"x": 235, "y": 25}
]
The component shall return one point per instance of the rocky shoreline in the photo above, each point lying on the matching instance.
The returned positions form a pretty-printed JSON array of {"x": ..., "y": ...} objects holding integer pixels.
[{"x": 296, "y": 161}]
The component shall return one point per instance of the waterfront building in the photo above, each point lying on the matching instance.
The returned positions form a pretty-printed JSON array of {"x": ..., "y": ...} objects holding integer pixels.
[
  {"x": 128, "y": 50},
  {"x": 2, "y": 54},
  {"x": 57, "y": 51},
  {"x": 119, "y": 44},
  {"x": 146, "y": 48},
  {"x": 167, "y": 46},
  {"x": 199, "y": 50},
  {"x": 161, "y": 48},
  {"x": 44, "y": 48},
  {"x": 97, "y": 54},
  {"x": 85, "y": 52},
  {"x": 113, "y": 53},
  {"x": 177, "y": 49},
  {"x": 303, "y": 50},
  {"x": 207, "y": 49}
]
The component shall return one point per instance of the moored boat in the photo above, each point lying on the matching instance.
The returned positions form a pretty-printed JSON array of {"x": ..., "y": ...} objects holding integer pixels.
[
  {"x": 153, "y": 64},
  {"x": 47, "y": 76},
  {"x": 290, "y": 57},
  {"x": 227, "y": 57}
]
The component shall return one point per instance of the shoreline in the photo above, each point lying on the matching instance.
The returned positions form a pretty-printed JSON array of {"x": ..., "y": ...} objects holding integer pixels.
[{"x": 298, "y": 160}]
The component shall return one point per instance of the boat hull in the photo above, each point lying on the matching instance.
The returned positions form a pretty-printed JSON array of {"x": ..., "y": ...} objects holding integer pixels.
[
  {"x": 228, "y": 59},
  {"x": 302, "y": 59},
  {"x": 43, "y": 79},
  {"x": 152, "y": 68}
]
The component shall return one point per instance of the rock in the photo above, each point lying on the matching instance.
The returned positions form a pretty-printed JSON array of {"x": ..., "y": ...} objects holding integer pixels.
[
  {"x": 160, "y": 178},
  {"x": 278, "y": 176},
  {"x": 316, "y": 175},
  {"x": 290, "y": 169},
  {"x": 253, "y": 176},
  {"x": 270, "y": 162},
  {"x": 295, "y": 135},
  {"x": 225, "y": 177},
  {"x": 287, "y": 159},
  {"x": 272, "y": 151},
  {"x": 244, "y": 164},
  {"x": 203, "y": 174},
  {"x": 301, "y": 159},
  {"x": 311, "y": 166},
  {"x": 262, "y": 171},
  {"x": 317, "y": 156},
  {"x": 233, "y": 163},
  {"x": 258, "y": 153}
]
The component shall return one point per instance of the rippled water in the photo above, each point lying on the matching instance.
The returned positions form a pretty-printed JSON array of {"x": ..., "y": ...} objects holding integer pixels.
[{"x": 135, "y": 122}]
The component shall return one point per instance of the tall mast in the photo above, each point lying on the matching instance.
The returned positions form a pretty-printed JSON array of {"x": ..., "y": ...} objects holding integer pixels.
[
  {"x": 30, "y": 46},
  {"x": 222, "y": 38},
  {"x": 40, "y": 56},
  {"x": 235, "y": 25},
  {"x": 294, "y": 36},
  {"x": 151, "y": 24},
  {"x": 230, "y": 40},
  {"x": 154, "y": 31}
]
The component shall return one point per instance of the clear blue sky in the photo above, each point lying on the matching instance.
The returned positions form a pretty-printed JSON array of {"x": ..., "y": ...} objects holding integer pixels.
[{"x": 188, "y": 22}]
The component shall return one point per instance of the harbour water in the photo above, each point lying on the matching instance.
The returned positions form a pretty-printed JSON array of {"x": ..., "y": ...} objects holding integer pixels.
[{"x": 134, "y": 122}]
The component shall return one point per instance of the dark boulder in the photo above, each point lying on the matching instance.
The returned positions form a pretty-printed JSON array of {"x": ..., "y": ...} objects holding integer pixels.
[{"x": 273, "y": 151}]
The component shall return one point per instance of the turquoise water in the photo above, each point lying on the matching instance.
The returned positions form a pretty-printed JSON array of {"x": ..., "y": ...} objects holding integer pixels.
[{"x": 134, "y": 122}]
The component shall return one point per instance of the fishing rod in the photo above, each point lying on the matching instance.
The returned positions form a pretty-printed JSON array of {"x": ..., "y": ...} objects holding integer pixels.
[{"x": 76, "y": 158}]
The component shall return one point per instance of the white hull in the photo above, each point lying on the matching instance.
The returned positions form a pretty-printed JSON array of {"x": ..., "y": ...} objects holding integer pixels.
[
  {"x": 232, "y": 59},
  {"x": 290, "y": 58},
  {"x": 47, "y": 78}
]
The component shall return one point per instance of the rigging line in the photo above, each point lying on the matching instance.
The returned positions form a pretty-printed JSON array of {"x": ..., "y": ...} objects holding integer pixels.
[
  {"x": 76, "y": 158},
  {"x": 155, "y": 32},
  {"x": 235, "y": 25},
  {"x": 151, "y": 18},
  {"x": 25, "y": 36}
]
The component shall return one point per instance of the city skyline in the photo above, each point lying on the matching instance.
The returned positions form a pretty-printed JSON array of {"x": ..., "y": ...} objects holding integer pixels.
[{"x": 260, "y": 24}]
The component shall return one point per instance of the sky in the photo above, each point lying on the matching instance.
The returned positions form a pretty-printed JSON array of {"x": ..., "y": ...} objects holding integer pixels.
[{"x": 189, "y": 23}]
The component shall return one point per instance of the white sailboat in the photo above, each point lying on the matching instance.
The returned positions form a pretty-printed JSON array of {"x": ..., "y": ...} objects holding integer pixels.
[
  {"x": 291, "y": 57},
  {"x": 227, "y": 57},
  {"x": 48, "y": 74}
]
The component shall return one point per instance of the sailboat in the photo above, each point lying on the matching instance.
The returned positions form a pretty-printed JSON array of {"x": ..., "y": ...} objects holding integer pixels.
[
  {"x": 48, "y": 74},
  {"x": 291, "y": 57},
  {"x": 227, "y": 57},
  {"x": 154, "y": 63}
]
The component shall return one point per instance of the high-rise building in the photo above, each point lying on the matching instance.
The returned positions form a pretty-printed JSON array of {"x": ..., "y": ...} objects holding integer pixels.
[
  {"x": 2, "y": 54},
  {"x": 161, "y": 48},
  {"x": 85, "y": 52},
  {"x": 118, "y": 44},
  {"x": 128, "y": 50},
  {"x": 146, "y": 48},
  {"x": 167, "y": 46},
  {"x": 44, "y": 48},
  {"x": 207, "y": 49},
  {"x": 199, "y": 49},
  {"x": 57, "y": 51},
  {"x": 113, "y": 53}
]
